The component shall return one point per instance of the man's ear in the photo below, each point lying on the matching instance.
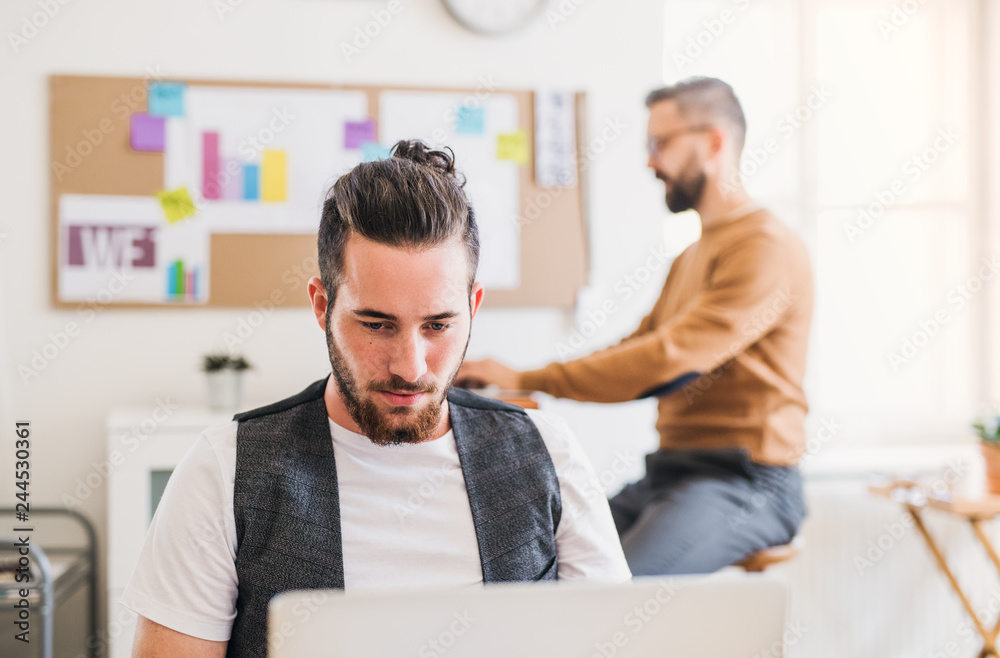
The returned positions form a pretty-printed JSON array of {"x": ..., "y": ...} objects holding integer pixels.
[
  {"x": 476, "y": 298},
  {"x": 318, "y": 299}
]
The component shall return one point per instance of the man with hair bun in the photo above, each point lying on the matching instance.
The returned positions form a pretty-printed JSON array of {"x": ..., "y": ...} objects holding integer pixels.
[
  {"x": 723, "y": 350},
  {"x": 381, "y": 474}
]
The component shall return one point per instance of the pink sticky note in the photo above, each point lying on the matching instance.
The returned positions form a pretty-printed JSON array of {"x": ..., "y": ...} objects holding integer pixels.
[
  {"x": 357, "y": 133},
  {"x": 147, "y": 133}
]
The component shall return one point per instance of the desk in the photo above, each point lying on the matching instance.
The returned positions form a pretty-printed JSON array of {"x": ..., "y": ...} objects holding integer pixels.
[
  {"x": 915, "y": 499},
  {"x": 523, "y": 399}
]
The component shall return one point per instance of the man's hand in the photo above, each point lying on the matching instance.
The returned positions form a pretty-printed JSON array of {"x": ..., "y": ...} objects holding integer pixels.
[{"x": 479, "y": 374}]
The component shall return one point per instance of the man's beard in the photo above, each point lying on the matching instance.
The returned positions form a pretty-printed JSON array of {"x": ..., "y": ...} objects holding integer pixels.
[
  {"x": 685, "y": 190},
  {"x": 375, "y": 423}
]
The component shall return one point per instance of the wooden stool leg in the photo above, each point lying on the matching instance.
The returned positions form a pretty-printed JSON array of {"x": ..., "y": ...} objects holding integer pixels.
[
  {"x": 989, "y": 649},
  {"x": 977, "y": 527}
]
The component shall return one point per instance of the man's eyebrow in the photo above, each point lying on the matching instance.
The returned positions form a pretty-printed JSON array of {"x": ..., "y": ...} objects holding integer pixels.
[{"x": 372, "y": 313}]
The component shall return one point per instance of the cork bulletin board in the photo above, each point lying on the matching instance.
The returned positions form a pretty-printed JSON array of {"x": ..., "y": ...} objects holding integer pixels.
[{"x": 206, "y": 193}]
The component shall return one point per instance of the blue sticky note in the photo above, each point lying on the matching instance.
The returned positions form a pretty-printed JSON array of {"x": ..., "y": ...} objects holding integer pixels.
[
  {"x": 251, "y": 182},
  {"x": 371, "y": 151},
  {"x": 470, "y": 120},
  {"x": 166, "y": 99}
]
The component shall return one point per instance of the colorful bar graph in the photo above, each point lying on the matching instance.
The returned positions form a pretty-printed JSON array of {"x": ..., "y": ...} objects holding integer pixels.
[
  {"x": 232, "y": 179},
  {"x": 176, "y": 279},
  {"x": 274, "y": 176},
  {"x": 251, "y": 182},
  {"x": 210, "y": 185},
  {"x": 180, "y": 277},
  {"x": 171, "y": 281}
]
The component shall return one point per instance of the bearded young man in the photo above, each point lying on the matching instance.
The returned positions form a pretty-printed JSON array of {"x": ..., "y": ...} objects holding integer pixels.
[
  {"x": 380, "y": 475},
  {"x": 723, "y": 349}
]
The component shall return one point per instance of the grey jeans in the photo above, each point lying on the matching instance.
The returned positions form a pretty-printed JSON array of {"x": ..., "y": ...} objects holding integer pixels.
[{"x": 696, "y": 511}]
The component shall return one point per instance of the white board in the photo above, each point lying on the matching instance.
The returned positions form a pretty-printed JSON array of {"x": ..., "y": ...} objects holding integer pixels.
[{"x": 492, "y": 184}]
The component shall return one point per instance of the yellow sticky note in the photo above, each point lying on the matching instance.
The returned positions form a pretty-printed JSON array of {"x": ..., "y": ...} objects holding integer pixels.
[
  {"x": 274, "y": 176},
  {"x": 177, "y": 204},
  {"x": 513, "y": 146}
]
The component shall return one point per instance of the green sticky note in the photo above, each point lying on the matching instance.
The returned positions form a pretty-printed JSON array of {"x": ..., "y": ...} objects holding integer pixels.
[
  {"x": 513, "y": 146},
  {"x": 177, "y": 204}
]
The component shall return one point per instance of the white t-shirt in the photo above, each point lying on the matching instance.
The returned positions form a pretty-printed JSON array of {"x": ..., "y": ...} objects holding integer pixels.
[{"x": 406, "y": 521}]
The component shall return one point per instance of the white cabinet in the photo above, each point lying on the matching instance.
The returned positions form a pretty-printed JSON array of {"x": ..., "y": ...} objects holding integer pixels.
[{"x": 144, "y": 446}]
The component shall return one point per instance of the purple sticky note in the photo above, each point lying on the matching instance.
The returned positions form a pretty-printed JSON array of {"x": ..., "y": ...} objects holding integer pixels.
[
  {"x": 147, "y": 133},
  {"x": 357, "y": 133}
]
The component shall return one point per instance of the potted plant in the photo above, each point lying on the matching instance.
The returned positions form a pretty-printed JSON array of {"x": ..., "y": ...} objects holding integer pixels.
[
  {"x": 989, "y": 432},
  {"x": 224, "y": 374}
]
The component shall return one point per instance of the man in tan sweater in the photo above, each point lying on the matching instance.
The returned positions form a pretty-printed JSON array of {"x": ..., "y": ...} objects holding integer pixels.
[{"x": 723, "y": 350}]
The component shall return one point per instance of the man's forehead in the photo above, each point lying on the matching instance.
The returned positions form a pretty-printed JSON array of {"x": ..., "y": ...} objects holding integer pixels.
[
  {"x": 404, "y": 281},
  {"x": 665, "y": 113}
]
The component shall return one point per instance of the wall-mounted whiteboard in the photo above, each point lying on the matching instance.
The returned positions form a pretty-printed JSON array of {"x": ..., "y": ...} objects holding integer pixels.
[{"x": 492, "y": 183}]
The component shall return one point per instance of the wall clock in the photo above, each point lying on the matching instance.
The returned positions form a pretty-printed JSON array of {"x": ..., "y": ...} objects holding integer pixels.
[{"x": 494, "y": 16}]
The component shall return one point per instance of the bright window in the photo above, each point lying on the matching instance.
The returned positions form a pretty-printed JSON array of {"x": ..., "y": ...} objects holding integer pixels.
[{"x": 873, "y": 113}]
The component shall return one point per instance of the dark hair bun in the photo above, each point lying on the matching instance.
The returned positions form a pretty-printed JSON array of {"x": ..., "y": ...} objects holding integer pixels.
[{"x": 417, "y": 151}]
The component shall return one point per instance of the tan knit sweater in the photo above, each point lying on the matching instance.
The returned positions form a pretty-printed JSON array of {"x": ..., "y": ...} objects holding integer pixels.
[{"x": 735, "y": 309}]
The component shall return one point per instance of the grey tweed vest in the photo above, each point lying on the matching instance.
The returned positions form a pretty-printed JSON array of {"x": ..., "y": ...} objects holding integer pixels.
[{"x": 287, "y": 505}]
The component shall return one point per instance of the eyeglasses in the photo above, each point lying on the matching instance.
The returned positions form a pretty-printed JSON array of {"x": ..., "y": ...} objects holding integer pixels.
[{"x": 655, "y": 145}]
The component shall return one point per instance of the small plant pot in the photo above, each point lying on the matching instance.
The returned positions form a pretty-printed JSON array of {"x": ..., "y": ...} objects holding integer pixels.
[
  {"x": 991, "y": 453},
  {"x": 225, "y": 389}
]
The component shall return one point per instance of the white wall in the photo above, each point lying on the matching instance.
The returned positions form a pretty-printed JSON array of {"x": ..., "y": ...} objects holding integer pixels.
[
  {"x": 136, "y": 357},
  {"x": 992, "y": 185}
]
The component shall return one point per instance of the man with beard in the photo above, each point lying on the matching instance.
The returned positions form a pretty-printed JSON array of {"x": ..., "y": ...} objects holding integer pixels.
[
  {"x": 723, "y": 350},
  {"x": 380, "y": 475}
]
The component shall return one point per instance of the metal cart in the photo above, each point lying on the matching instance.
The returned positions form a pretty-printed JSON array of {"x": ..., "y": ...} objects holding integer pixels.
[{"x": 55, "y": 590}]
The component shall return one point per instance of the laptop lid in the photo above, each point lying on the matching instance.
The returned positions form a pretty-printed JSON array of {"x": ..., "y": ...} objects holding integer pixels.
[{"x": 721, "y": 616}]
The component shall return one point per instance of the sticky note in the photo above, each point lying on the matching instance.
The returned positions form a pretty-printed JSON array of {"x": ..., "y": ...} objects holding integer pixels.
[
  {"x": 357, "y": 133},
  {"x": 251, "y": 182},
  {"x": 177, "y": 204},
  {"x": 470, "y": 120},
  {"x": 273, "y": 176},
  {"x": 371, "y": 151},
  {"x": 166, "y": 99},
  {"x": 211, "y": 185},
  {"x": 147, "y": 133},
  {"x": 513, "y": 146}
]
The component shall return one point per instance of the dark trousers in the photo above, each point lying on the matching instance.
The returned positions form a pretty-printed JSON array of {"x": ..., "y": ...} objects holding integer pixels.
[{"x": 696, "y": 511}]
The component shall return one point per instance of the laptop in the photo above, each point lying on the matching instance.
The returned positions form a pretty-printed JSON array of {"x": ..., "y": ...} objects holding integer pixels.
[{"x": 718, "y": 616}]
